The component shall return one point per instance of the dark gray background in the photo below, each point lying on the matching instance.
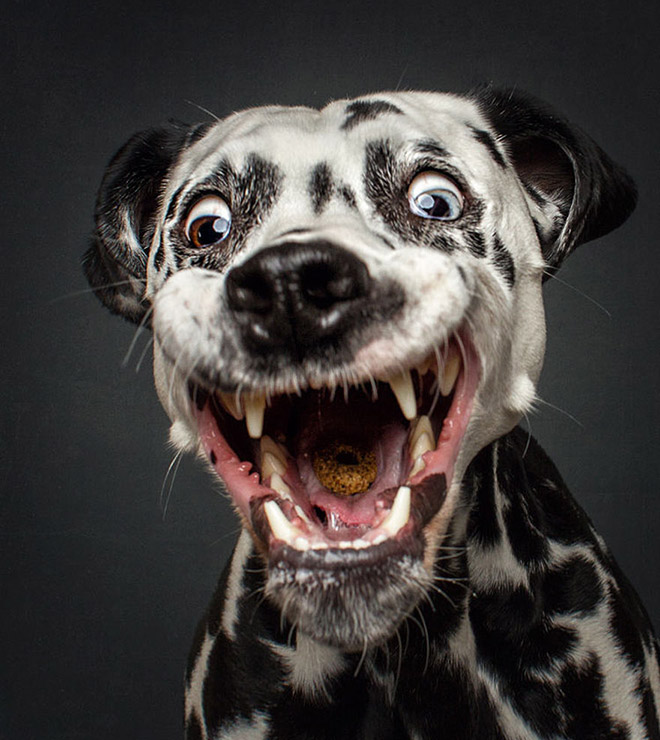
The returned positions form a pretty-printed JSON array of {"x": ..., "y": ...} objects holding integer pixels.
[{"x": 101, "y": 590}]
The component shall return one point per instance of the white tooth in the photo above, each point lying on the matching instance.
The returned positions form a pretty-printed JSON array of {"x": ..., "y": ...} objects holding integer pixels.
[
  {"x": 424, "y": 444},
  {"x": 360, "y": 544},
  {"x": 399, "y": 514},
  {"x": 418, "y": 465},
  {"x": 273, "y": 458},
  {"x": 450, "y": 372},
  {"x": 402, "y": 386},
  {"x": 232, "y": 404},
  {"x": 255, "y": 406},
  {"x": 302, "y": 514},
  {"x": 301, "y": 543},
  {"x": 279, "y": 486},
  {"x": 319, "y": 545},
  {"x": 271, "y": 464},
  {"x": 378, "y": 539},
  {"x": 280, "y": 526},
  {"x": 422, "y": 427}
]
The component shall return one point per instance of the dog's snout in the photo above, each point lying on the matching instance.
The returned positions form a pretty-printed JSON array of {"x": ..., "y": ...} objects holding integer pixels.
[{"x": 293, "y": 296}]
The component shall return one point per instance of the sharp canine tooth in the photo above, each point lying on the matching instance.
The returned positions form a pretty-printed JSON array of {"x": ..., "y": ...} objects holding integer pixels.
[
  {"x": 402, "y": 386},
  {"x": 273, "y": 459},
  {"x": 280, "y": 526},
  {"x": 275, "y": 453},
  {"x": 423, "y": 426},
  {"x": 302, "y": 514},
  {"x": 424, "y": 444},
  {"x": 232, "y": 404},
  {"x": 271, "y": 465},
  {"x": 418, "y": 465},
  {"x": 399, "y": 514},
  {"x": 279, "y": 486},
  {"x": 450, "y": 372},
  {"x": 268, "y": 444},
  {"x": 255, "y": 406}
]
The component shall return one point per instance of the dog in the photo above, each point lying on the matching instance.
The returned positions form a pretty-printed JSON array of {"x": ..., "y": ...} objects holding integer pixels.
[{"x": 348, "y": 326}]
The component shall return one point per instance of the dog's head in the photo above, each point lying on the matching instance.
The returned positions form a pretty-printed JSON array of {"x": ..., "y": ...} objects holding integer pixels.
[{"x": 346, "y": 309}]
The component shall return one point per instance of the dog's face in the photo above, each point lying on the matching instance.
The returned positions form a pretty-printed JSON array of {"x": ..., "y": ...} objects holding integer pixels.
[{"x": 346, "y": 309}]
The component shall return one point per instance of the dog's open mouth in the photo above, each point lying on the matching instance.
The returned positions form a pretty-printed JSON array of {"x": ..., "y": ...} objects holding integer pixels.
[{"x": 347, "y": 468}]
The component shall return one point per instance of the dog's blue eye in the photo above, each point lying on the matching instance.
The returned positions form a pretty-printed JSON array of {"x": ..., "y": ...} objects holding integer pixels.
[
  {"x": 432, "y": 195},
  {"x": 208, "y": 222}
]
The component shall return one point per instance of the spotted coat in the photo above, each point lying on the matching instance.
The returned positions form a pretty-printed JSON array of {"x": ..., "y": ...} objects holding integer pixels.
[{"x": 286, "y": 256}]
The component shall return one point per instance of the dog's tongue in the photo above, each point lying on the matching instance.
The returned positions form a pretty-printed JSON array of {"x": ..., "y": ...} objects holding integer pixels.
[{"x": 345, "y": 449}]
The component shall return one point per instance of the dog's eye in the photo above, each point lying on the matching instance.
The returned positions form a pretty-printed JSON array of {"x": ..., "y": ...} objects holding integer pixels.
[
  {"x": 208, "y": 222},
  {"x": 432, "y": 195}
]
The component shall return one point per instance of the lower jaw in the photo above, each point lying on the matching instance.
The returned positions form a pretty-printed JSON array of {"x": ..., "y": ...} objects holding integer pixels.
[{"x": 351, "y": 600}]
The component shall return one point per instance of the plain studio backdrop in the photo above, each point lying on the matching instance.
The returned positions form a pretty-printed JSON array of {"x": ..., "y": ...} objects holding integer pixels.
[{"x": 105, "y": 571}]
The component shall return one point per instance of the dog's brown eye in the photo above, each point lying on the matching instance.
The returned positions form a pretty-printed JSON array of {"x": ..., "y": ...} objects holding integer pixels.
[
  {"x": 432, "y": 195},
  {"x": 208, "y": 222}
]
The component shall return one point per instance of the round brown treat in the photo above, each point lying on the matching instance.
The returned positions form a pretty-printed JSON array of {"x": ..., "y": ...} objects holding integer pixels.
[{"x": 345, "y": 469}]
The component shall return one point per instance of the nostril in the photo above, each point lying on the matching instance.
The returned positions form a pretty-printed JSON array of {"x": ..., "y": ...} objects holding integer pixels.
[
  {"x": 249, "y": 291},
  {"x": 324, "y": 284}
]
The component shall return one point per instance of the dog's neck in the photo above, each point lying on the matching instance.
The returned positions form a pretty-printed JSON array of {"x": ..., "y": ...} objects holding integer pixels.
[{"x": 493, "y": 543}]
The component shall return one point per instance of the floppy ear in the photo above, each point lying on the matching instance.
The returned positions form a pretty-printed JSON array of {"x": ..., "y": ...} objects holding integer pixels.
[
  {"x": 116, "y": 263},
  {"x": 562, "y": 169}
]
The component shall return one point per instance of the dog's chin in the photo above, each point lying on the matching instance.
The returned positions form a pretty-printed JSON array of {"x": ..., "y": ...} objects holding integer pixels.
[{"x": 343, "y": 488}]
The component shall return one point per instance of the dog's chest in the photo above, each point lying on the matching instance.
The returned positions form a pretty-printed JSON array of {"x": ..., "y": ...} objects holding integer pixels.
[{"x": 539, "y": 631}]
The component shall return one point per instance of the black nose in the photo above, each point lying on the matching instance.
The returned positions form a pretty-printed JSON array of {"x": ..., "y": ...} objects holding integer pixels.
[{"x": 297, "y": 296}]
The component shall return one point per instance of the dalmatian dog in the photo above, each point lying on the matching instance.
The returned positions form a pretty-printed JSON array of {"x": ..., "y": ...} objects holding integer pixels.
[{"x": 348, "y": 326}]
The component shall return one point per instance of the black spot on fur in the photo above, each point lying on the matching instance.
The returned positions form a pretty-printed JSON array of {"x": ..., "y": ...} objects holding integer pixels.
[
  {"x": 225, "y": 693},
  {"x": 476, "y": 243},
  {"x": 321, "y": 186},
  {"x": 366, "y": 110},
  {"x": 443, "y": 242},
  {"x": 483, "y": 526},
  {"x": 487, "y": 140},
  {"x": 508, "y": 621},
  {"x": 524, "y": 517},
  {"x": 649, "y": 711},
  {"x": 573, "y": 587},
  {"x": 174, "y": 202},
  {"x": 159, "y": 256},
  {"x": 193, "y": 729},
  {"x": 625, "y": 626},
  {"x": 446, "y": 703},
  {"x": 355, "y": 704},
  {"x": 431, "y": 148},
  {"x": 504, "y": 261},
  {"x": 584, "y": 706},
  {"x": 348, "y": 196}
]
